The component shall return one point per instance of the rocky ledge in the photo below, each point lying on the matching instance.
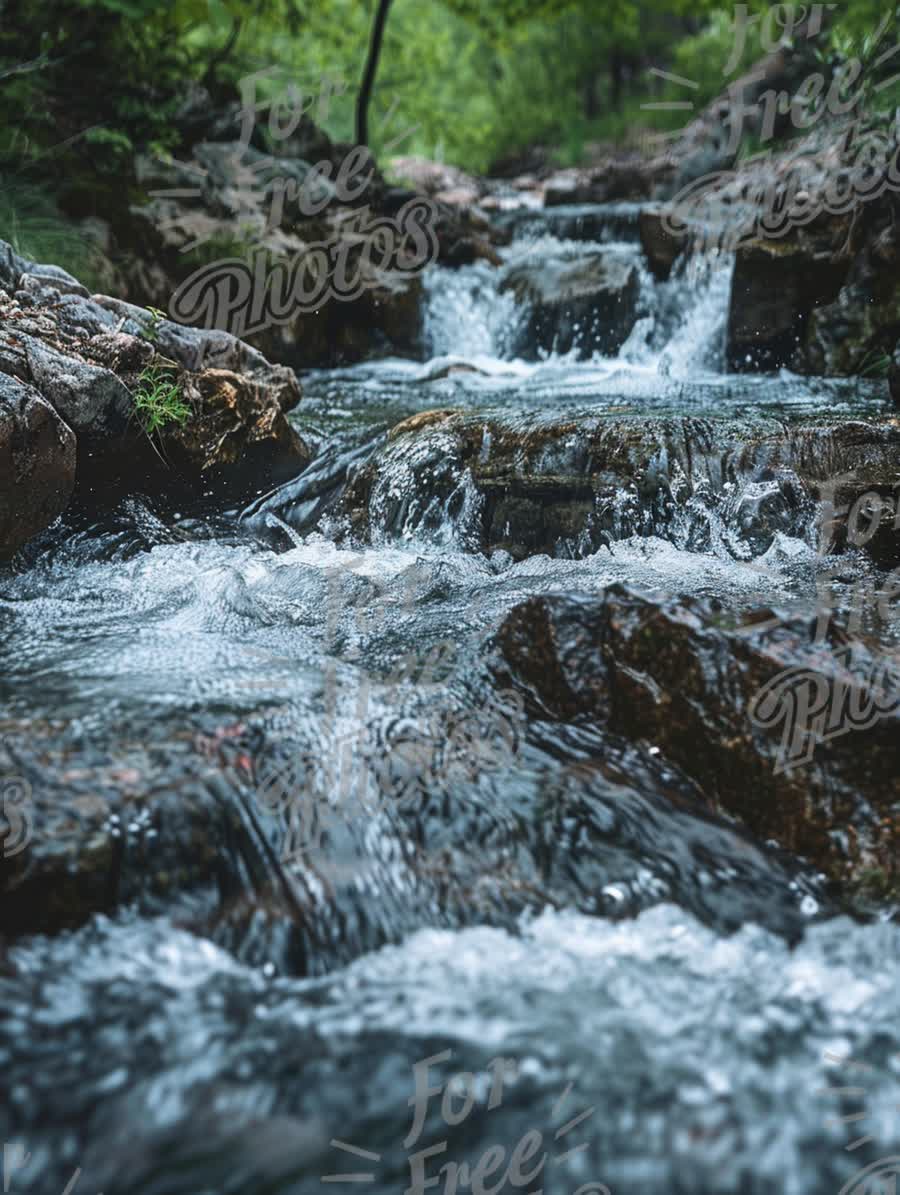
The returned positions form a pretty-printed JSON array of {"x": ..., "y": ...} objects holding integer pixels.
[
  {"x": 85, "y": 386},
  {"x": 565, "y": 485}
]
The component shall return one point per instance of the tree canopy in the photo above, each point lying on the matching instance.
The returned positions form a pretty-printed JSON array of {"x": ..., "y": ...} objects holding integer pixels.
[{"x": 471, "y": 81}]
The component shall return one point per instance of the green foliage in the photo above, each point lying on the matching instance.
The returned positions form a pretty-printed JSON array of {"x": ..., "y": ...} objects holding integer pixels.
[
  {"x": 703, "y": 59},
  {"x": 112, "y": 150},
  {"x": 151, "y": 332},
  {"x": 868, "y": 42},
  {"x": 33, "y": 225},
  {"x": 157, "y": 401},
  {"x": 875, "y": 364},
  {"x": 467, "y": 80}
]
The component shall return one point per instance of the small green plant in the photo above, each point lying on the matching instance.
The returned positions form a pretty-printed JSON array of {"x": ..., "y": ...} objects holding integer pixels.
[
  {"x": 875, "y": 364},
  {"x": 151, "y": 332},
  {"x": 158, "y": 402},
  {"x": 111, "y": 149}
]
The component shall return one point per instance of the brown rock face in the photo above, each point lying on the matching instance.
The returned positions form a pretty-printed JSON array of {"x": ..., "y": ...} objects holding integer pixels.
[
  {"x": 551, "y": 484},
  {"x": 798, "y": 739},
  {"x": 660, "y": 247},
  {"x": 235, "y": 422},
  {"x": 37, "y": 464},
  {"x": 86, "y": 359}
]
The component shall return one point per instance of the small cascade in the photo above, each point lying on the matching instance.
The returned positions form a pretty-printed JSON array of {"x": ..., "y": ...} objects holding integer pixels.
[
  {"x": 692, "y": 312},
  {"x": 677, "y": 326},
  {"x": 467, "y": 316},
  {"x": 600, "y": 223}
]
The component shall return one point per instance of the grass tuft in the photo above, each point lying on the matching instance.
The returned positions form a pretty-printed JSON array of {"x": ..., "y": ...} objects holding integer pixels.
[{"x": 158, "y": 402}]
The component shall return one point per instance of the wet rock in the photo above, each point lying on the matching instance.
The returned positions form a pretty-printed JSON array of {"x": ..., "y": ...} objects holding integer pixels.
[
  {"x": 196, "y": 348},
  {"x": 860, "y": 511},
  {"x": 37, "y": 464},
  {"x": 576, "y": 222},
  {"x": 221, "y": 825},
  {"x": 566, "y": 487},
  {"x": 775, "y": 286},
  {"x": 468, "y": 249},
  {"x": 94, "y": 402},
  {"x": 300, "y": 504},
  {"x": 814, "y": 227},
  {"x": 660, "y": 246},
  {"x": 589, "y": 304},
  {"x": 625, "y": 177},
  {"x": 857, "y": 331},
  {"x": 416, "y": 422},
  {"x": 463, "y": 235},
  {"x": 236, "y": 433},
  {"x": 88, "y": 357},
  {"x": 796, "y": 738}
]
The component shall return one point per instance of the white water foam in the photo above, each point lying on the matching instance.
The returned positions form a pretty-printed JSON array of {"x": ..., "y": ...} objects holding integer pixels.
[{"x": 679, "y": 333}]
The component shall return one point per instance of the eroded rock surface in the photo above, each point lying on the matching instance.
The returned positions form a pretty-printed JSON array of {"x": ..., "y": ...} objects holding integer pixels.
[
  {"x": 568, "y": 486},
  {"x": 88, "y": 359},
  {"x": 798, "y": 739}
]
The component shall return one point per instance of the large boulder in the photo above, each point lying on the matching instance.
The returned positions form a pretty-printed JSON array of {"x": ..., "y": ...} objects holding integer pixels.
[
  {"x": 860, "y": 327},
  {"x": 94, "y": 402},
  {"x": 798, "y": 739},
  {"x": 588, "y": 304},
  {"x": 88, "y": 363},
  {"x": 37, "y": 464}
]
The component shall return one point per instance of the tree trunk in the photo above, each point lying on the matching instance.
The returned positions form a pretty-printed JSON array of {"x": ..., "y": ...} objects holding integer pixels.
[
  {"x": 616, "y": 79},
  {"x": 368, "y": 79},
  {"x": 589, "y": 96}
]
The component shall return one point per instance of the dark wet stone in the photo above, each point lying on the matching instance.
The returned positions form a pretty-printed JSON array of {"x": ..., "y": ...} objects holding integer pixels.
[
  {"x": 567, "y": 486},
  {"x": 589, "y": 304},
  {"x": 742, "y": 708},
  {"x": 94, "y": 402},
  {"x": 88, "y": 357},
  {"x": 660, "y": 246},
  {"x": 37, "y": 464},
  {"x": 775, "y": 286}
]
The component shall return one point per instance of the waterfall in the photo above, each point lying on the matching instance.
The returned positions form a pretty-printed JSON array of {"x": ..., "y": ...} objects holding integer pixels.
[{"x": 680, "y": 325}]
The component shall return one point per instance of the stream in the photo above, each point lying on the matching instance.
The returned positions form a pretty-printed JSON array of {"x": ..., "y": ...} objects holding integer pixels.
[{"x": 591, "y": 986}]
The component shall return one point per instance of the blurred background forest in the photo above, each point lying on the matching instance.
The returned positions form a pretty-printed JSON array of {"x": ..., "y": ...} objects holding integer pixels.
[{"x": 85, "y": 85}]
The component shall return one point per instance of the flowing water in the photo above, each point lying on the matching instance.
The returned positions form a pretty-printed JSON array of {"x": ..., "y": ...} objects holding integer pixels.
[{"x": 676, "y": 1008}]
